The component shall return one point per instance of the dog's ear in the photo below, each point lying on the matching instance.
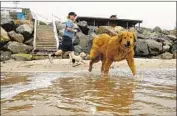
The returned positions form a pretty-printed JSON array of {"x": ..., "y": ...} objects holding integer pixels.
[
  {"x": 120, "y": 37},
  {"x": 134, "y": 37}
]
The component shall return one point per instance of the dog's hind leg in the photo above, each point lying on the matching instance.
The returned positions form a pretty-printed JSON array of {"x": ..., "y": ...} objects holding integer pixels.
[{"x": 103, "y": 60}]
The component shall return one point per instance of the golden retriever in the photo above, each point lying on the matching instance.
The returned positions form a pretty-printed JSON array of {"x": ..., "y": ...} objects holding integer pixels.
[{"x": 116, "y": 48}]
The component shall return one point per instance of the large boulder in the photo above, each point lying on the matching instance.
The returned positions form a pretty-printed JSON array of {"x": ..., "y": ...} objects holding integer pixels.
[
  {"x": 148, "y": 47},
  {"x": 141, "y": 48},
  {"x": 4, "y": 36},
  {"x": 16, "y": 37},
  {"x": 22, "y": 57},
  {"x": 92, "y": 29},
  {"x": 60, "y": 25},
  {"x": 16, "y": 47},
  {"x": 83, "y": 26},
  {"x": 172, "y": 37},
  {"x": 174, "y": 47},
  {"x": 157, "y": 29},
  {"x": 119, "y": 29},
  {"x": 78, "y": 49},
  {"x": 82, "y": 23},
  {"x": 142, "y": 36},
  {"x": 5, "y": 55},
  {"x": 106, "y": 29},
  {"x": 165, "y": 32},
  {"x": 8, "y": 24},
  {"x": 84, "y": 39},
  {"x": 26, "y": 30},
  {"x": 165, "y": 55},
  {"x": 155, "y": 48},
  {"x": 29, "y": 42}
]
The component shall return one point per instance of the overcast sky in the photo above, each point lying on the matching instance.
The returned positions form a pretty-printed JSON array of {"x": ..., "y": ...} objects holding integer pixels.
[{"x": 153, "y": 14}]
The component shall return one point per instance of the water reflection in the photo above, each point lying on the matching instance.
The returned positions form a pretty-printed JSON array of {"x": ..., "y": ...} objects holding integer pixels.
[{"x": 68, "y": 94}]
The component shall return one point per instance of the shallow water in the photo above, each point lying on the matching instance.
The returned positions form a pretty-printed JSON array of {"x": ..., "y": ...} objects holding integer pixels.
[{"x": 152, "y": 92}]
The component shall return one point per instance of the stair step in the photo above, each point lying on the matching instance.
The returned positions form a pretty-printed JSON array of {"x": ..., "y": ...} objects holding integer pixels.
[
  {"x": 46, "y": 49},
  {"x": 44, "y": 30},
  {"x": 44, "y": 33},
  {"x": 44, "y": 26},
  {"x": 37, "y": 45},
  {"x": 46, "y": 37},
  {"x": 46, "y": 42}
]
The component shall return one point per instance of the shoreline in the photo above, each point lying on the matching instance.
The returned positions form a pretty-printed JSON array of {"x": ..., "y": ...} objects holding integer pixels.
[{"x": 63, "y": 65}]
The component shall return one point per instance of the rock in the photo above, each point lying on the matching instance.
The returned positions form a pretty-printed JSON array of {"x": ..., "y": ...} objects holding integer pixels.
[
  {"x": 22, "y": 57},
  {"x": 141, "y": 48},
  {"x": 155, "y": 35},
  {"x": 166, "y": 48},
  {"x": 84, "y": 40},
  {"x": 29, "y": 42},
  {"x": 174, "y": 55},
  {"x": 155, "y": 48},
  {"x": 82, "y": 23},
  {"x": 165, "y": 55},
  {"x": 61, "y": 32},
  {"x": 16, "y": 37},
  {"x": 157, "y": 29},
  {"x": 172, "y": 37},
  {"x": 26, "y": 30},
  {"x": 92, "y": 29},
  {"x": 84, "y": 27},
  {"x": 148, "y": 47},
  {"x": 4, "y": 36},
  {"x": 106, "y": 29},
  {"x": 60, "y": 26},
  {"x": 78, "y": 49},
  {"x": 5, "y": 55},
  {"x": 119, "y": 29},
  {"x": 87, "y": 57},
  {"x": 165, "y": 32},
  {"x": 141, "y": 36},
  {"x": 76, "y": 41},
  {"x": 174, "y": 47},
  {"x": 16, "y": 47},
  {"x": 8, "y": 25}
]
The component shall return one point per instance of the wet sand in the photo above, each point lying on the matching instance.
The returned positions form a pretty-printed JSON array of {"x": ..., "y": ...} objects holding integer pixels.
[{"x": 64, "y": 65}]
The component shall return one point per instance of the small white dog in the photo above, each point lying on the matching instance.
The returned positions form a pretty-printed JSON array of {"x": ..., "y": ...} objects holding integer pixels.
[{"x": 78, "y": 59}]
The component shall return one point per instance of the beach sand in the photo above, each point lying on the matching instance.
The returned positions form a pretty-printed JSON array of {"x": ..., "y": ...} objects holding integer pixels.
[{"x": 64, "y": 65}]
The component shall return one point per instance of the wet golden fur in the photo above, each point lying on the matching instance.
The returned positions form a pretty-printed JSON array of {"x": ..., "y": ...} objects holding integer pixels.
[{"x": 116, "y": 48}]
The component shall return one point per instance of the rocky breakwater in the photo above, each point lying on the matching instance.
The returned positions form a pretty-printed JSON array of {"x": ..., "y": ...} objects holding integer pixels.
[
  {"x": 16, "y": 41},
  {"x": 151, "y": 43}
]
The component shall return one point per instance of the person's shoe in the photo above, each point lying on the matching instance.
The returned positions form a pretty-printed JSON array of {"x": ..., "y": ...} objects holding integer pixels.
[{"x": 50, "y": 58}]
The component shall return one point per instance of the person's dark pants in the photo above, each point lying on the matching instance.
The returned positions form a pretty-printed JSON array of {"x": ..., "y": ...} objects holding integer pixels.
[{"x": 66, "y": 44}]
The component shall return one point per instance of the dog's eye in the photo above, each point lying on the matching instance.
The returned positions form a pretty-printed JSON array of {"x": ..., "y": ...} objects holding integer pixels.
[
  {"x": 124, "y": 37},
  {"x": 130, "y": 37}
]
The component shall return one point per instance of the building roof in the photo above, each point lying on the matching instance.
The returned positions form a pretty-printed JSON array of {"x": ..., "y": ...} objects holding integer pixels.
[{"x": 98, "y": 21}]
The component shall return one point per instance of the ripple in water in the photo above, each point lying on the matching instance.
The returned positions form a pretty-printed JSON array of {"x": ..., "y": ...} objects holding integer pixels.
[{"x": 153, "y": 92}]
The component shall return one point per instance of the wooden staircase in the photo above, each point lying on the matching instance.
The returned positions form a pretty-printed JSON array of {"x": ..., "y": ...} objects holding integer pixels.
[{"x": 45, "y": 40}]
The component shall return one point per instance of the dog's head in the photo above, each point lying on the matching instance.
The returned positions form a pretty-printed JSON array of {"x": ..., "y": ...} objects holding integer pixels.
[
  {"x": 127, "y": 39},
  {"x": 83, "y": 55}
]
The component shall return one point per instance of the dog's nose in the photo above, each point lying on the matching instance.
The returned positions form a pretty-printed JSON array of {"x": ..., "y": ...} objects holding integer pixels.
[{"x": 128, "y": 43}]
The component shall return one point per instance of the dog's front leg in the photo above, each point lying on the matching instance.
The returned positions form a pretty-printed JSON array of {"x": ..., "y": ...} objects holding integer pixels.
[
  {"x": 131, "y": 64},
  {"x": 90, "y": 65},
  {"x": 107, "y": 66}
]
